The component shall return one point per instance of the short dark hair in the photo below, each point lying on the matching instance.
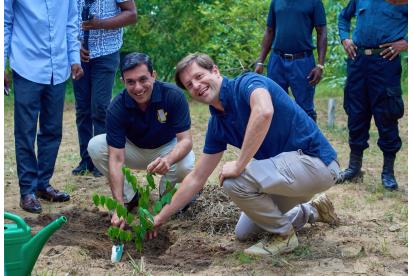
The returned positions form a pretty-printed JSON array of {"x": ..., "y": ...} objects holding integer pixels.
[
  {"x": 133, "y": 60},
  {"x": 202, "y": 60}
]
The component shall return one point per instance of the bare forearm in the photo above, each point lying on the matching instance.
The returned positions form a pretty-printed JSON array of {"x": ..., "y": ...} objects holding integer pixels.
[
  {"x": 322, "y": 42},
  {"x": 121, "y": 20},
  {"x": 266, "y": 44},
  {"x": 256, "y": 131},
  {"x": 180, "y": 150},
  {"x": 116, "y": 181},
  {"x": 186, "y": 191}
]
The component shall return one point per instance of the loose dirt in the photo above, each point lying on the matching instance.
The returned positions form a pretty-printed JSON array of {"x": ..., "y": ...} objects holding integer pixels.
[{"x": 371, "y": 239}]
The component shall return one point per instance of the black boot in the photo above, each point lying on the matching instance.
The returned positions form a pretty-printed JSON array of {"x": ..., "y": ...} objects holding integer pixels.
[
  {"x": 387, "y": 175},
  {"x": 354, "y": 169}
]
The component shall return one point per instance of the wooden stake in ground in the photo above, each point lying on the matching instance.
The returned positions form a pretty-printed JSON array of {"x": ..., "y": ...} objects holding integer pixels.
[{"x": 331, "y": 112}]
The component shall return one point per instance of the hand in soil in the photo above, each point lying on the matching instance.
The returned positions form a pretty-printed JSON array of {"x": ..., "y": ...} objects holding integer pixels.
[
  {"x": 152, "y": 234},
  {"x": 117, "y": 222}
]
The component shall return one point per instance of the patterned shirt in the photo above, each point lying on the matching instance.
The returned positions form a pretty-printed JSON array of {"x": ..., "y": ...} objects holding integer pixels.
[{"x": 102, "y": 42}]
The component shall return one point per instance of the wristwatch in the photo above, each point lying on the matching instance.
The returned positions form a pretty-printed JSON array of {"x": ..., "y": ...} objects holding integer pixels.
[{"x": 320, "y": 66}]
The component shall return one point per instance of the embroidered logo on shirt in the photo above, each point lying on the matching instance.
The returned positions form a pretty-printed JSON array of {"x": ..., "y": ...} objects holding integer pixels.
[{"x": 162, "y": 116}]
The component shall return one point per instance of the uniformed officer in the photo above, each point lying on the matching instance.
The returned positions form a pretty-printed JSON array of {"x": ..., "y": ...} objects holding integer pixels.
[
  {"x": 373, "y": 84},
  {"x": 289, "y": 34},
  {"x": 148, "y": 128}
]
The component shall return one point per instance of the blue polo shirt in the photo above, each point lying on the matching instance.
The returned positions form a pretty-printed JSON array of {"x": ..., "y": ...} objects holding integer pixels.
[
  {"x": 291, "y": 128},
  {"x": 293, "y": 22},
  {"x": 166, "y": 115},
  {"x": 377, "y": 22}
]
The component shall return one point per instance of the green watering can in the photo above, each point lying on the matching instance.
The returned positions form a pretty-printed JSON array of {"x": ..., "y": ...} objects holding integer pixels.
[{"x": 21, "y": 249}]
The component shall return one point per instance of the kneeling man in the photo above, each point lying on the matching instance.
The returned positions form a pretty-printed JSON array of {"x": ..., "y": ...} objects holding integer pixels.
[
  {"x": 148, "y": 128},
  {"x": 284, "y": 160}
]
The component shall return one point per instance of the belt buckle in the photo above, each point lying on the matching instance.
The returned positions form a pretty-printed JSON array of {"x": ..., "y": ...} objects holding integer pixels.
[
  {"x": 368, "y": 52},
  {"x": 288, "y": 56}
]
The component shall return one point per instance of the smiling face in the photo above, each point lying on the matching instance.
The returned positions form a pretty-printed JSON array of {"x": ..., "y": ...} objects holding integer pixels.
[
  {"x": 202, "y": 84},
  {"x": 139, "y": 83}
]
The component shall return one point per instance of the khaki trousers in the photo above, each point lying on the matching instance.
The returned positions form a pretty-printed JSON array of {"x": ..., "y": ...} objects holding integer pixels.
[
  {"x": 268, "y": 189},
  {"x": 138, "y": 158}
]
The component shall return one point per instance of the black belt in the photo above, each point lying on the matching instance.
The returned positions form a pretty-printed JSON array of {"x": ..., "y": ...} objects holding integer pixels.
[
  {"x": 370, "y": 51},
  {"x": 295, "y": 55}
]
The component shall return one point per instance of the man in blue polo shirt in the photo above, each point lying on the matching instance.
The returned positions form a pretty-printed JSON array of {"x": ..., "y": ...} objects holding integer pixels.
[
  {"x": 284, "y": 159},
  {"x": 373, "y": 84},
  {"x": 289, "y": 34},
  {"x": 148, "y": 128}
]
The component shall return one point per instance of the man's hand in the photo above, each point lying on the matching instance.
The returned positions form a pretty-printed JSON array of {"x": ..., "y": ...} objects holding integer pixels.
[
  {"x": 84, "y": 54},
  {"x": 77, "y": 71},
  {"x": 92, "y": 24},
  {"x": 393, "y": 49},
  {"x": 230, "y": 170},
  {"x": 259, "y": 68},
  {"x": 159, "y": 166},
  {"x": 6, "y": 84},
  {"x": 154, "y": 232},
  {"x": 350, "y": 48},
  {"x": 117, "y": 222},
  {"x": 315, "y": 76}
]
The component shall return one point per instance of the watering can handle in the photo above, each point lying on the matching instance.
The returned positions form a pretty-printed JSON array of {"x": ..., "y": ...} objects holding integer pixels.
[{"x": 20, "y": 222}]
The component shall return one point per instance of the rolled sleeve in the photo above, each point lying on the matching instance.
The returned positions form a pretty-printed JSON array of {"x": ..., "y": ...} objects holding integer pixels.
[{"x": 344, "y": 20}]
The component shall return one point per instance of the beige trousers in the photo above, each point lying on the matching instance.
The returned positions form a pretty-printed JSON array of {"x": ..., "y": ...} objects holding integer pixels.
[
  {"x": 138, "y": 158},
  {"x": 268, "y": 189}
]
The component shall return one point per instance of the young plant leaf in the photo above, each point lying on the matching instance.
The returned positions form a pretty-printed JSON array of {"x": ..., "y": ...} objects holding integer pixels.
[
  {"x": 157, "y": 207},
  {"x": 95, "y": 199},
  {"x": 150, "y": 180},
  {"x": 130, "y": 218},
  {"x": 102, "y": 200}
]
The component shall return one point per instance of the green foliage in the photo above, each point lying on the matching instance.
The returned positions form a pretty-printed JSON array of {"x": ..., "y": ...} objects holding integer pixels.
[{"x": 143, "y": 220}]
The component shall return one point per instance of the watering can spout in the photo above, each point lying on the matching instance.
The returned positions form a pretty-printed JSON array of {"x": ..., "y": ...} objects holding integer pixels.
[{"x": 32, "y": 248}]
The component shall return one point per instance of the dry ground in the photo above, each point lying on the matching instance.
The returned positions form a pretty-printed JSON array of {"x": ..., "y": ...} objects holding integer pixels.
[{"x": 371, "y": 239}]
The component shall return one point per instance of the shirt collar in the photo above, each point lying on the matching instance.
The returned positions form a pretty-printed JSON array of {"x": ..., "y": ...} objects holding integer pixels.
[
  {"x": 156, "y": 96},
  {"x": 223, "y": 97}
]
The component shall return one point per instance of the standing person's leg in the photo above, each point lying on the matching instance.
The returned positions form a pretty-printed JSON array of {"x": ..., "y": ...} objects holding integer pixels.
[
  {"x": 302, "y": 91},
  {"x": 48, "y": 140},
  {"x": 387, "y": 106},
  {"x": 103, "y": 72},
  {"x": 276, "y": 70},
  {"x": 27, "y": 96},
  {"x": 293, "y": 177},
  {"x": 357, "y": 107},
  {"x": 102, "y": 76},
  {"x": 82, "y": 91}
]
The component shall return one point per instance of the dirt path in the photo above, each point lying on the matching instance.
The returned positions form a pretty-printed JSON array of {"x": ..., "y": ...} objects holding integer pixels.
[{"x": 371, "y": 239}]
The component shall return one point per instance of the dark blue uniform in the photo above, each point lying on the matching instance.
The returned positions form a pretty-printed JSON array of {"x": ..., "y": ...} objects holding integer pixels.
[
  {"x": 166, "y": 115},
  {"x": 373, "y": 84},
  {"x": 291, "y": 129},
  {"x": 293, "y": 22}
]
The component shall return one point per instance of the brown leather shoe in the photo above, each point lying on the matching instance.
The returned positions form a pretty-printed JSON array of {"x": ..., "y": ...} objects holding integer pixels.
[
  {"x": 30, "y": 203},
  {"x": 51, "y": 194}
]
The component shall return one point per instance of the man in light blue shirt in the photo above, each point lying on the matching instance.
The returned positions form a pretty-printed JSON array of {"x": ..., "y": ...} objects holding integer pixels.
[
  {"x": 100, "y": 23},
  {"x": 40, "y": 40}
]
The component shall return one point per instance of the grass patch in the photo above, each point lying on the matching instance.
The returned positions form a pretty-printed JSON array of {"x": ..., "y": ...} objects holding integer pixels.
[
  {"x": 244, "y": 258},
  {"x": 70, "y": 187}
]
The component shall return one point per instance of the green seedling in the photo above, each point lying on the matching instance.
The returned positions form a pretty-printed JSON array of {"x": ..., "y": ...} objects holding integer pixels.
[{"x": 143, "y": 220}]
